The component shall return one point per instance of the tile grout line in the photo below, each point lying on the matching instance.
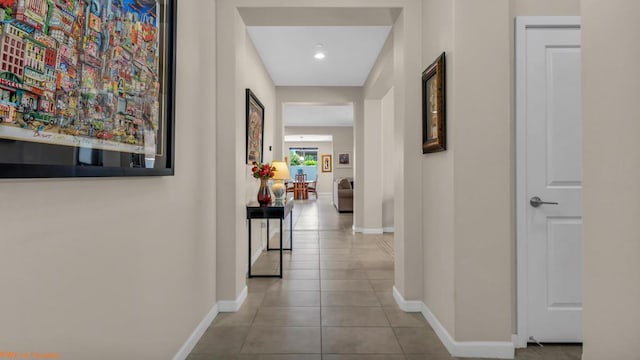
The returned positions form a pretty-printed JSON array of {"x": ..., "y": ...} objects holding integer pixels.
[{"x": 320, "y": 281}]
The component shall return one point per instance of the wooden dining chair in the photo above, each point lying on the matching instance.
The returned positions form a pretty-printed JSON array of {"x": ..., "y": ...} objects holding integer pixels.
[
  {"x": 300, "y": 187},
  {"x": 311, "y": 187},
  {"x": 289, "y": 187}
]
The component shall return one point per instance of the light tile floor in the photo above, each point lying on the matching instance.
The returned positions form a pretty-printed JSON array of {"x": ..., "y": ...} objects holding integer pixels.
[{"x": 334, "y": 303}]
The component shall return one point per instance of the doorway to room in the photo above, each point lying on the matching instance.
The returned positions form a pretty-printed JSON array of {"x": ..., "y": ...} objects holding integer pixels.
[
  {"x": 319, "y": 143},
  {"x": 332, "y": 270}
]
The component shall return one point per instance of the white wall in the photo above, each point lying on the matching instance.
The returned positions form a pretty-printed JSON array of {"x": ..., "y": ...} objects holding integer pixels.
[
  {"x": 611, "y": 170},
  {"x": 387, "y": 161},
  {"x": 482, "y": 177},
  {"x": 238, "y": 68},
  {"x": 120, "y": 267},
  {"x": 325, "y": 179},
  {"x": 372, "y": 179},
  {"x": 545, "y": 7},
  {"x": 408, "y": 209},
  {"x": 259, "y": 81},
  {"x": 437, "y": 176},
  {"x": 378, "y": 143}
]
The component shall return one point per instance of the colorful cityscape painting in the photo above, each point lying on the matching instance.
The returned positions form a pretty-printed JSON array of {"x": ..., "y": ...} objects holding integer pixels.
[{"x": 83, "y": 73}]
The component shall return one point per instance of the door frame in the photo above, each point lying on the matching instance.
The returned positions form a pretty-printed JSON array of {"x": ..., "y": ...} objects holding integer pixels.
[{"x": 522, "y": 24}]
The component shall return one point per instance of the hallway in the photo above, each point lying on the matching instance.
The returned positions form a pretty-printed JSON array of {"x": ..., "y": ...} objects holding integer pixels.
[{"x": 335, "y": 302}]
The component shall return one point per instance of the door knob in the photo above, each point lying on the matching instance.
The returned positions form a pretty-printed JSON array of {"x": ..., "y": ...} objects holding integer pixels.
[{"x": 536, "y": 202}]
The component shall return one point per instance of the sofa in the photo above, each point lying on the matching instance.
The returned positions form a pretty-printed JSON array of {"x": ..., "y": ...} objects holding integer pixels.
[{"x": 343, "y": 194}]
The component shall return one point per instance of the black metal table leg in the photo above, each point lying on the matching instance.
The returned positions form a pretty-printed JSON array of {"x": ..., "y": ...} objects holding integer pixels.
[
  {"x": 268, "y": 233},
  {"x": 281, "y": 250},
  {"x": 249, "y": 272}
]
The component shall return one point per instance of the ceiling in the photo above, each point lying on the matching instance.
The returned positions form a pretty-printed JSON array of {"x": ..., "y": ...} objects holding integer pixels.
[
  {"x": 308, "y": 138},
  {"x": 317, "y": 115},
  {"x": 287, "y": 52}
]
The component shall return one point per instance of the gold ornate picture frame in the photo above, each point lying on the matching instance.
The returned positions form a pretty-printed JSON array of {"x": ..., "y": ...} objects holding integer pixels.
[
  {"x": 434, "y": 134},
  {"x": 327, "y": 163}
]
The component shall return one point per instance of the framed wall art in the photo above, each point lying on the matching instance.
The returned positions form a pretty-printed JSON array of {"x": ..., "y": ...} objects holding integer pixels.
[
  {"x": 255, "y": 128},
  {"x": 434, "y": 132},
  {"x": 326, "y": 163},
  {"x": 87, "y": 88},
  {"x": 344, "y": 160}
]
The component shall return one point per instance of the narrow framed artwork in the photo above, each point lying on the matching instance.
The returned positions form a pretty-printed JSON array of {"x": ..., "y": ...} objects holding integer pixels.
[
  {"x": 344, "y": 160},
  {"x": 87, "y": 88},
  {"x": 327, "y": 164},
  {"x": 255, "y": 128},
  {"x": 434, "y": 131}
]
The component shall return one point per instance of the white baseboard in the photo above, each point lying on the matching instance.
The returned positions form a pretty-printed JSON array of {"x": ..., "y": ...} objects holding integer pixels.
[
  {"x": 233, "y": 305},
  {"x": 406, "y": 305},
  {"x": 389, "y": 229},
  {"x": 195, "y": 336},
  {"x": 518, "y": 343},
  {"x": 368, "y": 230},
  {"x": 475, "y": 349}
]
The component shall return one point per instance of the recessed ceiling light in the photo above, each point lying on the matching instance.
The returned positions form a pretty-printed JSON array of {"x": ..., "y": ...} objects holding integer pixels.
[{"x": 319, "y": 54}]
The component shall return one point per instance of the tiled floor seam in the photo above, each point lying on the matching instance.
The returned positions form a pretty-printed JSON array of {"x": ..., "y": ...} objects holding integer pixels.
[{"x": 320, "y": 280}]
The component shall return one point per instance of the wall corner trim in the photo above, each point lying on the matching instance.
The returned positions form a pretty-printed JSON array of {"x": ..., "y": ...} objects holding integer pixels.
[
  {"x": 475, "y": 349},
  {"x": 406, "y": 305},
  {"x": 233, "y": 305},
  {"x": 195, "y": 336},
  {"x": 390, "y": 229}
]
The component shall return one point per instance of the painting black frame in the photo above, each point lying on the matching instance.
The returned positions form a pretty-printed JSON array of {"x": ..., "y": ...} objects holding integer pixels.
[
  {"x": 339, "y": 164},
  {"x": 434, "y": 73},
  {"x": 251, "y": 97},
  {"x": 29, "y": 170}
]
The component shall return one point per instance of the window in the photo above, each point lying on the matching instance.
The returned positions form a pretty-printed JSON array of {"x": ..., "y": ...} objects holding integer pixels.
[{"x": 303, "y": 156}]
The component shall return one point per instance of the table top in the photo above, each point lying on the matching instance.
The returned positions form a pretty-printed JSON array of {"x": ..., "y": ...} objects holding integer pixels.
[{"x": 273, "y": 210}]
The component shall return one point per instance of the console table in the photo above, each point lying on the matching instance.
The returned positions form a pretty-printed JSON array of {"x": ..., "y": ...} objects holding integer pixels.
[{"x": 272, "y": 211}]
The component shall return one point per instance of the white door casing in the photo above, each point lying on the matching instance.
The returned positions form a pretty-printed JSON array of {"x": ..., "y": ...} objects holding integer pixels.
[{"x": 549, "y": 166}]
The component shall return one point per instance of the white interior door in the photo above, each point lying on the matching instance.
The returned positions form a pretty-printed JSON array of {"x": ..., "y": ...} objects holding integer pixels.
[{"x": 553, "y": 158}]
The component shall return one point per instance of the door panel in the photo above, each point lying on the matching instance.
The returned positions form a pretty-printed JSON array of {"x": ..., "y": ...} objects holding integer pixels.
[
  {"x": 554, "y": 174},
  {"x": 565, "y": 263},
  {"x": 564, "y": 123}
]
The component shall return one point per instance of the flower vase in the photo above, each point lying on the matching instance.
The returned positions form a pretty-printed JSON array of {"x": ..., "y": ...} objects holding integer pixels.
[{"x": 264, "y": 195}]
